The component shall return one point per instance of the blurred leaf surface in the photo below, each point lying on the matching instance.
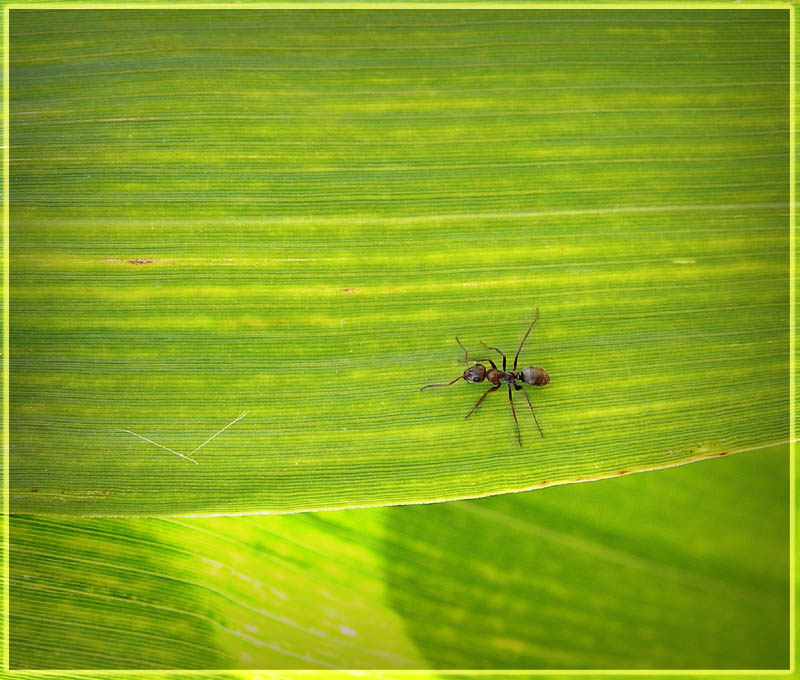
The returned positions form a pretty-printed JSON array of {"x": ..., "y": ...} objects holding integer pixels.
[
  {"x": 688, "y": 568},
  {"x": 293, "y": 213}
]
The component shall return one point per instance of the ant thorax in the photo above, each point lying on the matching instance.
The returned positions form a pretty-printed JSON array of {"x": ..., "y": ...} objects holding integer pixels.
[{"x": 506, "y": 377}]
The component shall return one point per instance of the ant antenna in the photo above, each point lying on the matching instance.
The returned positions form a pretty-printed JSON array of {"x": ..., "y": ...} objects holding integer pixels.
[
  {"x": 466, "y": 354},
  {"x": 525, "y": 337},
  {"x": 442, "y": 385}
]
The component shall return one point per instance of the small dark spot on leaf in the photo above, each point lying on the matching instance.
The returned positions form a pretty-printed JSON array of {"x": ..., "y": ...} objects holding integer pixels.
[
  {"x": 623, "y": 472},
  {"x": 106, "y": 492},
  {"x": 34, "y": 490},
  {"x": 141, "y": 260},
  {"x": 348, "y": 291},
  {"x": 63, "y": 492},
  {"x": 723, "y": 453}
]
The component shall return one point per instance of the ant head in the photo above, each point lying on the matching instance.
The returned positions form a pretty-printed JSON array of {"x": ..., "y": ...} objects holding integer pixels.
[{"x": 475, "y": 374}]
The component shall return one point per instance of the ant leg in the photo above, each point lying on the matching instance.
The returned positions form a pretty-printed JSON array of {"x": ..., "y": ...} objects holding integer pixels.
[
  {"x": 489, "y": 360},
  {"x": 513, "y": 413},
  {"x": 498, "y": 351},
  {"x": 491, "y": 389},
  {"x": 525, "y": 337},
  {"x": 527, "y": 398}
]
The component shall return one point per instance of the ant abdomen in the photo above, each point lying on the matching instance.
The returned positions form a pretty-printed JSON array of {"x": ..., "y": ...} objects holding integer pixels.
[{"x": 534, "y": 375}]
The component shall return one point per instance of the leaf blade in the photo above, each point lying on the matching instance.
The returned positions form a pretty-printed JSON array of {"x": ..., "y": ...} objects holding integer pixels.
[{"x": 171, "y": 269}]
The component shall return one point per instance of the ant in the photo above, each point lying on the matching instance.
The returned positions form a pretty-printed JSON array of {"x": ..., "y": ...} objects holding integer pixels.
[{"x": 530, "y": 375}]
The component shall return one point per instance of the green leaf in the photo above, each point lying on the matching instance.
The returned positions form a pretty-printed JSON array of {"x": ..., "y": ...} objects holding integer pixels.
[
  {"x": 686, "y": 569},
  {"x": 292, "y": 214}
]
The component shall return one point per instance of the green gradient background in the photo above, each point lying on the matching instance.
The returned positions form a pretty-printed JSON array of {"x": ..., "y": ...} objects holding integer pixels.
[{"x": 685, "y": 568}]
